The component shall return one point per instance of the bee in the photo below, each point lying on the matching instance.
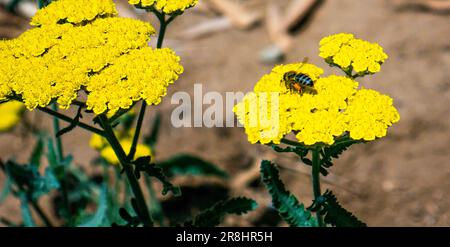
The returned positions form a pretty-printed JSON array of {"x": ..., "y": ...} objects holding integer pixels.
[{"x": 295, "y": 81}]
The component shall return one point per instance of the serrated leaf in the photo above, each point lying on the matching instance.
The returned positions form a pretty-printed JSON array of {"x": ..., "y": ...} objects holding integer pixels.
[
  {"x": 143, "y": 164},
  {"x": 336, "y": 215},
  {"x": 152, "y": 138},
  {"x": 214, "y": 215},
  {"x": 335, "y": 150},
  {"x": 185, "y": 164},
  {"x": 99, "y": 216},
  {"x": 283, "y": 201}
]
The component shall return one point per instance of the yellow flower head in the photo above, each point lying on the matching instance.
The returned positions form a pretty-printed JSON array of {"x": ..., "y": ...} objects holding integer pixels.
[
  {"x": 10, "y": 113},
  {"x": 369, "y": 114},
  {"x": 107, "y": 57},
  {"x": 167, "y": 6},
  {"x": 347, "y": 52},
  {"x": 73, "y": 11},
  {"x": 337, "y": 107}
]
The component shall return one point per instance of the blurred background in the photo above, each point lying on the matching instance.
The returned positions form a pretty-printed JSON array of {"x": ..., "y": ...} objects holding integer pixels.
[{"x": 227, "y": 46}]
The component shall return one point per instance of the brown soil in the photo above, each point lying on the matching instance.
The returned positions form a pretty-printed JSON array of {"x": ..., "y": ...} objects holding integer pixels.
[{"x": 400, "y": 180}]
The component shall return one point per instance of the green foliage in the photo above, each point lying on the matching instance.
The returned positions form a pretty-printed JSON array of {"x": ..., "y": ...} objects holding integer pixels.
[
  {"x": 43, "y": 3},
  {"x": 335, "y": 150},
  {"x": 131, "y": 221},
  {"x": 299, "y": 150},
  {"x": 26, "y": 213},
  {"x": 6, "y": 188},
  {"x": 98, "y": 218},
  {"x": 29, "y": 181},
  {"x": 284, "y": 202},
  {"x": 185, "y": 164},
  {"x": 143, "y": 164},
  {"x": 38, "y": 150},
  {"x": 214, "y": 215},
  {"x": 335, "y": 214}
]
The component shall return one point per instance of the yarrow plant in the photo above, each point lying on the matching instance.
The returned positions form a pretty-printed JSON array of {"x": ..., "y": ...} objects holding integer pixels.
[
  {"x": 81, "y": 54},
  {"x": 326, "y": 120}
]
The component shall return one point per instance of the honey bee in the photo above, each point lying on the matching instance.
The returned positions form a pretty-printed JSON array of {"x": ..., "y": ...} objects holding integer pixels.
[{"x": 295, "y": 81}]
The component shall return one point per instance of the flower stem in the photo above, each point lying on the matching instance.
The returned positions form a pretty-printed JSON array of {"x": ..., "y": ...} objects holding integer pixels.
[
  {"x": 292, "y": 143},
  {"x": 70, "y": 120},
  {"x": 162, "y": 31},
  {"x": 137, "y": 131},
  {"x": 56, "y": 129},
  {"x": 316, "y": 180},
  {"x": 128, "y": 168}
]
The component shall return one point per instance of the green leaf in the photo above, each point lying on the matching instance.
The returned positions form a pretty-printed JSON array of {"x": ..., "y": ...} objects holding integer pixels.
[
  {"x": 185, "y": 164},
  {"x": 98, "y": 218},
  {"x": 300, "y": 151},
  {"x": 152, "y": 138},
  {"x": 335, "y": 150},
  {"x": 43, "y": 185},
  {"x": 36, "y": 155},
  {"x": 52, "y": 157},
  {"x": 284, "y": 202},
  {"x": 43, "y": 3},
  {"x": 214, "y": 215},
  {"x": 143, "y": 165},
  {"x": 6, "y": 188},
  {"x": 26, "y": 213},
  {"x": 336, "y": 215}
]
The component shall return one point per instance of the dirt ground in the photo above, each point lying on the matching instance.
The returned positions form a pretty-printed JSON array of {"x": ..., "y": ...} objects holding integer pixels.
[{"x": 400, "y": 180}]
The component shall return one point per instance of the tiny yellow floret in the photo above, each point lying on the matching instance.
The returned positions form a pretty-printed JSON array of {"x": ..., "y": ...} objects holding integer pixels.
[{"x": 166, "y": 6}]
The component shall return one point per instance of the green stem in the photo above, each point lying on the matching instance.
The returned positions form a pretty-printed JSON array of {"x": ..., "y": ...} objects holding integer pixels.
[
  {"x": 58, "y": 139},
  {"x": 128, "y": 168},
  {"x": 162, "y": 31},
  {"x": 316, "y": 180},
  {"x": 70, "y": 120},
  {"x": 137, "y": 131},
  {"x": 292, "y": 143}
]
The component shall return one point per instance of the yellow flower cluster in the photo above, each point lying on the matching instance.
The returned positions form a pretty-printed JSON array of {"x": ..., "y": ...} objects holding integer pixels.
[
  {"x": 336, "y": 108},
  {"x": 107, "y": 152},
  {"x": 347, "y": 52},
  {"x": 166, "y": 6},
  {"x": 107, "y": 58},
  {"x": 10, "y": 113},
  {"x": 73, "y": 11}
]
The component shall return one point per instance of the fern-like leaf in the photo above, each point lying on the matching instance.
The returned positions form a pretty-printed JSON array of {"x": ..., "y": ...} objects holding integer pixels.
[
  {"x": 336, "y": 215},
  {"x": 143, "y": 164},
  {"x": 214, "y": 215},
  {"x": 335, "y": 150},
  {"x": 293, "y": 212}
]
